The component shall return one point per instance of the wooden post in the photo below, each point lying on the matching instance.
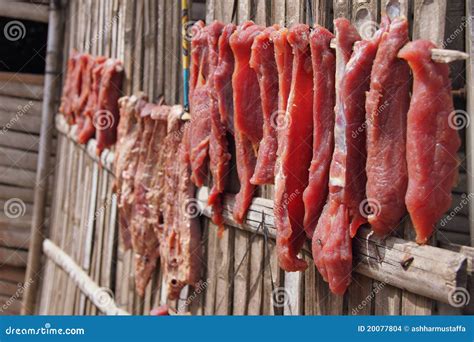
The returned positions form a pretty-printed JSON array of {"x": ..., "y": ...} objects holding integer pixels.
[{"x": 51, "y": 85}]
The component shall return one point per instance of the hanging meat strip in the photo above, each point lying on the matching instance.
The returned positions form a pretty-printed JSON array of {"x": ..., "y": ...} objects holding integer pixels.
[
  {"x": 341, "y": 217},
  {"x": 324, "y": 70},
  {"x": 87, "y": 104},
  {"x": 295, "y": 141},
  {"x": 387, "y": 106},
  {"x": 72, "y": 86},
  {"x": 181, "y": 243},
  {"x": 144, "y": 241},
  {"x": 248, "y": 119},
  {"x": 126, "y": 159},
  {"x": 263, "y": 62},
  {"x": 219, "y": 155},
  {"x": 199, "y": 100},
  {"x": 106, "y": 117},
  {"x": 432, "y": 140},
  {"x": 223, "y": 78}
]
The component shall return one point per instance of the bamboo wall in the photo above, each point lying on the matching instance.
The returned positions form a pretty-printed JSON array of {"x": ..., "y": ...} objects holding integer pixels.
[
  {"x": 21, "y": 97},
  {"x": 241, "y": 272}
]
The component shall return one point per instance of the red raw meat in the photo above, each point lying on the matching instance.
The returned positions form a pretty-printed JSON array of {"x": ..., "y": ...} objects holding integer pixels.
[
  {"x": 284, "y": 62},
  {"x": 144, "y": 241},
  {"x": 295, "y": 140},
  {"x": 263, "y": 62},
  {"x": 88, "y": 101},
  {"x": 324, "y": 70},
  {"x": 223, "y": 78},
  {"x": 181, "y": 242},
  {"x": 106, "y": 117},
  {"x": 248, "y": 119},
  {"x": 219, "y": 156},
  {"x": 72, "y": 86},
  {"x": 386, "y": 107},
  {"x": 126, "y": 159},
  {"x": 341, "y": 217},
  {"x": 199, "y": 99},
  {"x": 432, "y": 140}
]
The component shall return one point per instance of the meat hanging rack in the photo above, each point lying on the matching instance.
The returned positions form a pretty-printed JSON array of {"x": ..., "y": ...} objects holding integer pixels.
[{"x": 396, "y": 262}]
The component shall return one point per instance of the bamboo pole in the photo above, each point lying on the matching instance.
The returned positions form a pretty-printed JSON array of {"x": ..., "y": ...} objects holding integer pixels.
[{"x": 52, "y": 82}]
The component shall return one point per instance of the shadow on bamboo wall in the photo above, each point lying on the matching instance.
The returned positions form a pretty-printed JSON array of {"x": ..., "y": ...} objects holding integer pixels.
[{"x": 241, "y": 274}]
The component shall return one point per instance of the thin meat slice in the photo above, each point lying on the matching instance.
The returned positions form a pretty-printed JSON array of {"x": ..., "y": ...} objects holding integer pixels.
[
  {"x": 144, "y": 241},
  {"x": 126, "y": 159},
  {"x": 284, "y": 63},
  {"x": 72, "y": 86},
  {"x": 219, "y": 156},
  {"x": 223, "y": 78},
  {"x": 107, "y": 116},
  {"x": 263, "y": 62},
  {"x": 432, "y": 140},
  {"x": 294, "y": 154},
  {"x": 248, "y": 119},
  {"x": 181, "y": 242},
  {"x": 87, "y": 104},
  {"x": 199, "y": 98},
  {"x": 324, "y": 70},
  {"x": 341, "y": 216},
  {"x": 386, "y": 107}
]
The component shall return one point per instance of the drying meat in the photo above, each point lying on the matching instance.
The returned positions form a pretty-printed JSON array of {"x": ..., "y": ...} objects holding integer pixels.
[
  {"x": 386, "y": 107},
  {"x": 248, "y": 118},
  {"x": 72, "y": 86},
  {"x": 181, "y": 240},
  {"x": 223, "y": 78},
  {"x": 219, "y": 156},
  {"x": 432, "y": 141},
  {"x": 294, "y": 154},
  {"x": 144, "y": 241},
  {"x": 341, "y": 217},
  {"x": 106, "y": 117},
  {"x": 324, "y": 69},
  {"x": 199, "y": 100},
  {"x": 263, "y": 62},
  {"x": 87, "y": 104},
  {"x": 126, "y": 159}
]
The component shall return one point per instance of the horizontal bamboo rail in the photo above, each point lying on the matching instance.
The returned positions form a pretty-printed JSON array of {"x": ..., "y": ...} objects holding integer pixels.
[
  {"x": 424, "y": 270},
  {"x": 98, "y": 295}
]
